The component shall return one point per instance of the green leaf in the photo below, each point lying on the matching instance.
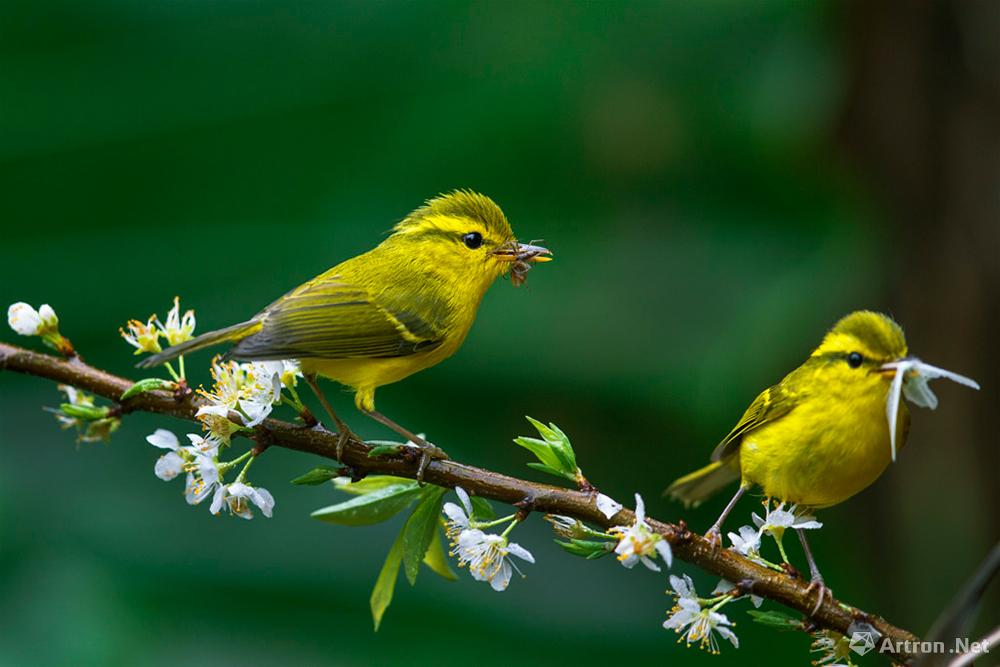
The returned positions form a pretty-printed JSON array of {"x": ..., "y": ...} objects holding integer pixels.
[
  {"x": 385, "y": 585},
  {"x": 419, "y": 530},
  {"x": 554, "y": 451},
  {"x": 482, "y": 508},
  {"x": 370, "y": 483},
  {"x": 86, "y": 412},
  {"x": 318, "y": 475},
  {"x": 370, "y": 508},
  {"x": 436, "y": 557},
  {"x": 559, "y": 442},
  {"x": 384, "y": 450},
  {"x": 548, "y": 470},
  {"x": 148, "y": 384},
  {"x": 775, "y": 619},
  {"x": 589, "y": 549}
]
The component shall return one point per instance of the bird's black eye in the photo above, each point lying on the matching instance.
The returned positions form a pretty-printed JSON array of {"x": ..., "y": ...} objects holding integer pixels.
[
  {"x": 854, "y": 359},
  {"x": 472, "y": 240}
]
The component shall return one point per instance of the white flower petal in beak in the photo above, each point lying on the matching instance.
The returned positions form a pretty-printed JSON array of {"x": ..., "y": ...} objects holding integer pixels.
[{"x": 911, "y": 379}]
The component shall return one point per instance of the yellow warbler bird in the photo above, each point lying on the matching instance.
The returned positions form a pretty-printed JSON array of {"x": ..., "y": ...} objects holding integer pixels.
[
  {"x": 822, "y": 434},
  {"x": 397, "y": 309}
]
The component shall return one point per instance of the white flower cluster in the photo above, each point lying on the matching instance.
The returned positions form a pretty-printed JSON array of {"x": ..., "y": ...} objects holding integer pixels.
[
  {"x": 637, "y": 543},
  {"x": 199, "y": 461},
  {"x": 251, "y": 389},
  {"x": 775, "y": 522},
  {"x": 145, "y": 337},
  {"x": 27, "y": 321},
  {"x": 697, "y": 620},
  {"x": 834, "y": 649},
  {"x": 487, "y": 555}
]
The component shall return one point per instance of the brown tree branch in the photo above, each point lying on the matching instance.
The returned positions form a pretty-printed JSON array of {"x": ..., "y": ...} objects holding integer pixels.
[{"x": 695, "y": 549}]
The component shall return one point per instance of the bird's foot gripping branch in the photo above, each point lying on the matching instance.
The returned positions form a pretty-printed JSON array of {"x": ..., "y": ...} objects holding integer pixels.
[{"x": 378, "y": 478}]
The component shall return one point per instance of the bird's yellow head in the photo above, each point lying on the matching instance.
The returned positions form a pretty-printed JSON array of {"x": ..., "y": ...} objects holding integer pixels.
[
  {"x": 466, "y": 238},
  {"x": 863, "y": 341}
]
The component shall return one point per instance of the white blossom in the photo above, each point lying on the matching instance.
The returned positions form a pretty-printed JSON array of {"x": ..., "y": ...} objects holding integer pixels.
[
  {"x": 910, "y": 379},
  {"x": 177, "y": 329},
  {"x": 143, "y": 337},
  {"x": 252, "y": 388},
  {"x": 288, "y": 370},
  {"x": 779, "y": 519},
  {"x": 834, "y": 649},
  {"x": 694, "y": 623},
  {"x": 683, "y": 587},
  {"x": 746, "y": 542},
  {"x": 27, "y": 321},
  {"x": 206, "y": 446},
  {"x": 215, "y": 420},
  {"x": 201, "y": 468},
  {"x": 488, "y": 556},
  {"x": 459, "y": 517},
  {"x": 608, "y": 506},
  {"x": 238, "y": 496},
  {"x": 638, "y": 543},
  {"x": 171, "y": 464}
]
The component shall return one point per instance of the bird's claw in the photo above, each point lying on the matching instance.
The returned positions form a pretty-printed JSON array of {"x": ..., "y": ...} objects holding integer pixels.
[
  {"x": 428, "y": 453},
  {"x": 714, "y": 536},
  {"x": 822, "y": 593},
  {"x": 342, "y": 439}
]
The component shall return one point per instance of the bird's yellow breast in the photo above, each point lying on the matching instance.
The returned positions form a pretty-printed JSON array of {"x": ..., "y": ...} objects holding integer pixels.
[
  {"x": 832, "y": 445},
  {"x": 364, "y": 375}
]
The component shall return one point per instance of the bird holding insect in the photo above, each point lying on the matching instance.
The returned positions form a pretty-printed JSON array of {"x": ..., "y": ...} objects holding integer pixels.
[
  {"x": 822, "y": 434},
  {"x": 397, "y": 309}
]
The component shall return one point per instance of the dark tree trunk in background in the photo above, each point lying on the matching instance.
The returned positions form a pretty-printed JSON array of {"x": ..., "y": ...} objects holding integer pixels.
[{"x": 923, "y": 123}]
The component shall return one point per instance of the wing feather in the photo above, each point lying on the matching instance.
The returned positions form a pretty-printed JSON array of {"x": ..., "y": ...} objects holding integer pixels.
[
  {"x": 329, "y": 318},
  {"x": 771, "y": 404}
]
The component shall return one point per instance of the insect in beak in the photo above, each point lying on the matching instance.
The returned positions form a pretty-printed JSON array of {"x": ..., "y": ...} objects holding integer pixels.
[
  {"x": 521, "y": 257},
  {"x": 522, "y": 252}
]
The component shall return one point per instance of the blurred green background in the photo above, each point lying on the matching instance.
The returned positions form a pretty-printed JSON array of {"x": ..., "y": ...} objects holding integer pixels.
[{"x": 719, "y": 181}]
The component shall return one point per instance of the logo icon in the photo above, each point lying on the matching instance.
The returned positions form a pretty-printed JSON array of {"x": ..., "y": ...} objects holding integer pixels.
[{"x": 862, "y": 642}]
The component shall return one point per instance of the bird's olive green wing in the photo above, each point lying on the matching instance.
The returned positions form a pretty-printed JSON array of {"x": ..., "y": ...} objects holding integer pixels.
[
  {"x": 329, "y": 318},
  {"x": 771, "y": 404}
]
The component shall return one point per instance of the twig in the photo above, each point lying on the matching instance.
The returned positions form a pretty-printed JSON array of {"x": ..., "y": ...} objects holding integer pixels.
[{"x": 688, "y": 546}]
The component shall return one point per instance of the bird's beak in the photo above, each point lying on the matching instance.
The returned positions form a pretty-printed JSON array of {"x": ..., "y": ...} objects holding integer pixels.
[
  {"x": 889, "y": 370},
  {"x": 522, "y": 252}
]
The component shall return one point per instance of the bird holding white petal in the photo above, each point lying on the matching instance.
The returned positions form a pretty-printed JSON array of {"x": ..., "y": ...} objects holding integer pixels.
[{"x": 821, "y": 434}]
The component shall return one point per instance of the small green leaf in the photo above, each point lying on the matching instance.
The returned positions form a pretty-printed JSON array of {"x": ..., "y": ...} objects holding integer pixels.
[
  {"x": 419, "y": 530},
  {"x": 385, "y": 585},
  {"x": 370, "y": 508},
  {"x": 482, "y": 508},
  {"x": 318, "y": 475},
  {"x": 559, "y": 442},
  {"x": 370, "y": 483},
  {"x": 554, "y": 451},
  {"x": 548, "y": 470},
  {"x": 86, "y": 412},
  {"x": 436, "y": 557},
  {"x": 148, "y": 384},
  {"x": 385, "y": 450},
  {"x": 775, "y": 619},
  {"x": 589, "y": 549}
]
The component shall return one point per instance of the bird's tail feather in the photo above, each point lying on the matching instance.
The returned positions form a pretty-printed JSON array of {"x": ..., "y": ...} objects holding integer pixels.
[
  {"x": 693, "y": 488},
  {"x": 233, "y": 333}
]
